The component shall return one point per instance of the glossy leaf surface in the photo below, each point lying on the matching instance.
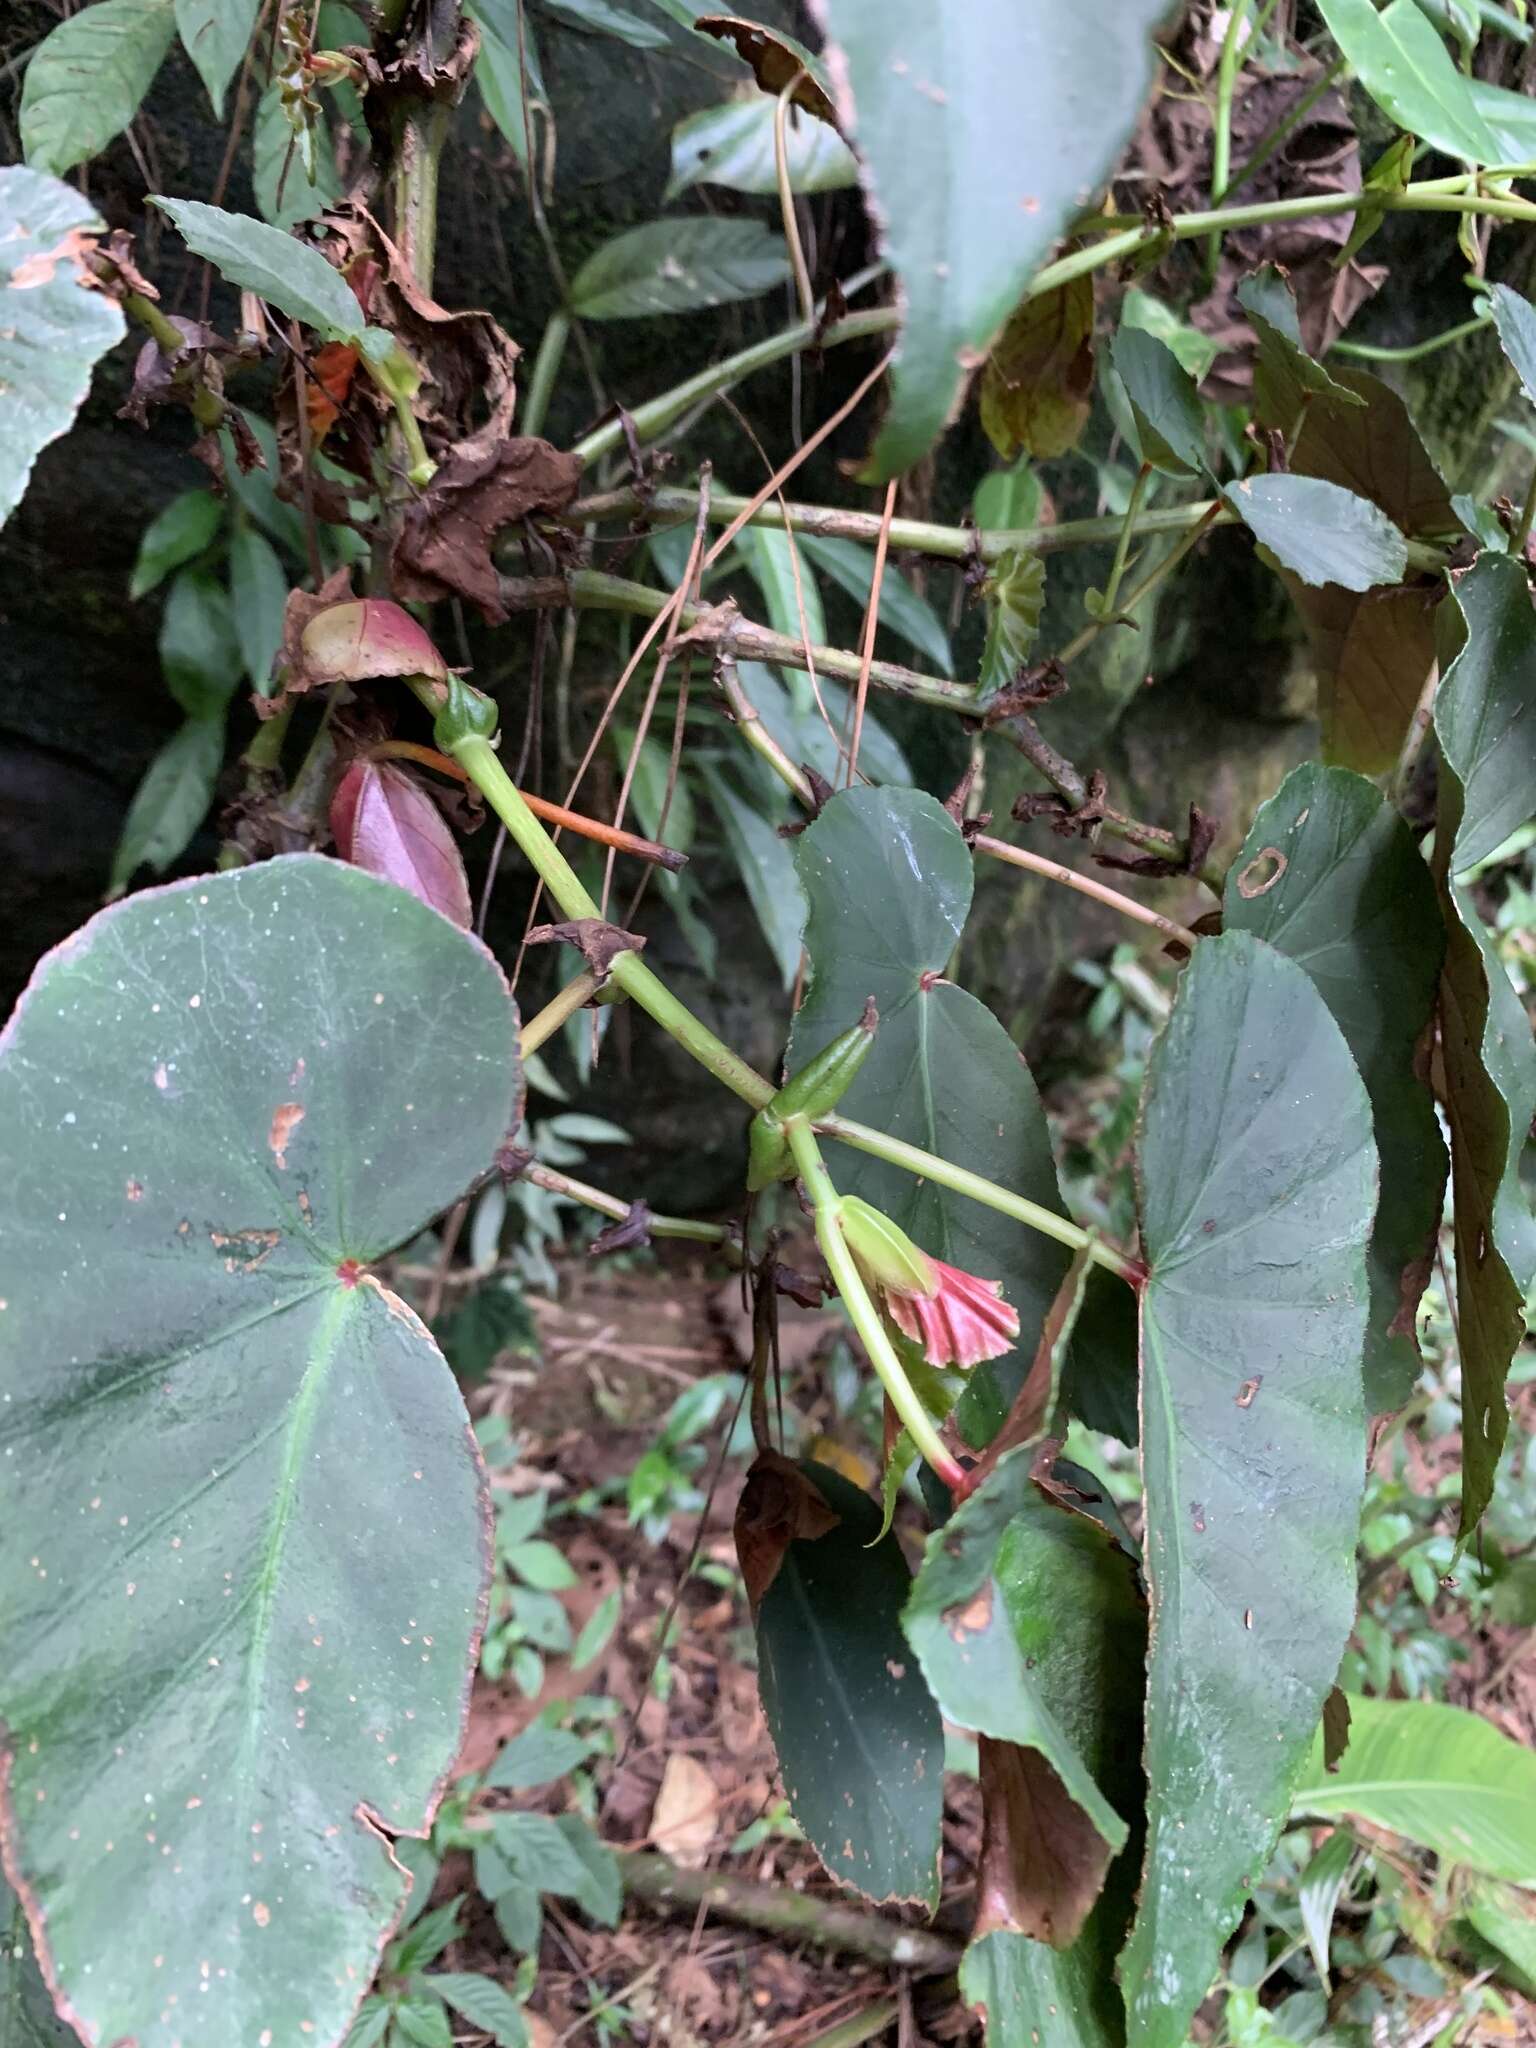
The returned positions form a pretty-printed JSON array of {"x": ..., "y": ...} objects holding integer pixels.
[
  {"x": 1330, "y": 876},
  {"x": 1257, "y": 1177},
  {"x": 982, "y": 130},
  {"x": 1401, "y": 61},
  {"x": 888, "y": 879},
  {"x": 861, "y": 1748},
  {"x": 213, "y": 1101},
  {"x": 1438, "y": 1776},
  {"x": 52, "y": 331}
]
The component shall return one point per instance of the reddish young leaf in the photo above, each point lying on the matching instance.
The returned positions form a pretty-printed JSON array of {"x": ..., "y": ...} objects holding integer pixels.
[{"x": 383, "y": 820}]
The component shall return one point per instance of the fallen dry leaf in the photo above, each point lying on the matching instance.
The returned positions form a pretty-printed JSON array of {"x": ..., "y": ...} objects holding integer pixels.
[{"x": 687, "y": 1807}]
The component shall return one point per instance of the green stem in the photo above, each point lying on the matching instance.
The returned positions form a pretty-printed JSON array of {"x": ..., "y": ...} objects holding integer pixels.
[
  {"x": 1527, "y": 515},
  {"x": 1213, "y": 516},
  {"x": 1370, "y": 352},
  {"x": 650, "y": 420},
  {"x": 546, "y": 368},
  {"x": 862, "y": 1313},
  {"x": 1232, "y": 47},
  {"x": 961, "y": 1181},
  {"x": 420, "y": 132},
  {"x": 264, "y": 755},
  {"x": 539, "y": 1029},
  {"x": 919, "y": 536},
  {"x": 1123, "y": 545},
  {"x": 555, "y": 1183},
  {"x": 479, "y": 761}
]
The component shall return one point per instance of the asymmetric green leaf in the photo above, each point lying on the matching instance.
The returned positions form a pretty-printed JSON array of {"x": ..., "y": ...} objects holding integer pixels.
[
  {"x": 245, "y": 1545},
  {"x": 1257, "y": 1177},
  {"x": 1488, "y": 755},
  {"x": 678, "y": 266},
  {"x": 982, "y": 129},
  {"x": 1438, "y": 1776},
  {"x": 1015, "y": 596},
  {"x": 1330, "y": 876},
  {"x": 1400, "y": 60},
  {"x": 888, "y": 879},
  {"x": 295, "y": 279},
  {"x": 858, "y": 1736},
  {"x": 214, "y": 34},
  {"x": 1321, "y": 533},
  {"x": 1169, "y": 423},
  {"x": 732, "y": 145},
  {"x": 52, "y": 331},
  {"x": 87, "y": 77}
]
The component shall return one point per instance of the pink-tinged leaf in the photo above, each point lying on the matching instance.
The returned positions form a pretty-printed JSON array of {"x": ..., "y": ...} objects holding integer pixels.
[
  {"x": 384, "y": 821},
  {"x": 367, "y": 637}
]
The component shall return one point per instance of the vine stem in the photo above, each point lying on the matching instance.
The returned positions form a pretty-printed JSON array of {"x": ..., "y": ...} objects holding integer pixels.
[
  {"x": 542, "y": 1027},
  {"x": 686, "y": 1227},
  {"x": 961, "y": 1181},
  {"x": 826, "y": 1207},
  {"x": 630, "y": 973}
]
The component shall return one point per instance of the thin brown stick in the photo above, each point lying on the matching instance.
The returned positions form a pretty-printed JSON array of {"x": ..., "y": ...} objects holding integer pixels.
[
  {"x": 1085, "y": 885},
  {"x": 871, "y": 625}
]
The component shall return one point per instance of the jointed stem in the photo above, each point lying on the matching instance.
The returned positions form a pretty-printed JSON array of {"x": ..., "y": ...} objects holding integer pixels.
[
  {"x": 543, "y": 1027},
  {"x": 862, "y": 1313}
]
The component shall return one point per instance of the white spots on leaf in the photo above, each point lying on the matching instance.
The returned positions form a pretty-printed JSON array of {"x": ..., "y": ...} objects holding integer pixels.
[
  {"x": 162, "y": 1077},
  {"x": 194, "y": 1002},
  {"x": 261, "y": 1913}
]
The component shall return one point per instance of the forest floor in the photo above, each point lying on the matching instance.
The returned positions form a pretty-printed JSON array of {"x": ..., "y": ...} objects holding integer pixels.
[{"x": 693, "y": 1772}]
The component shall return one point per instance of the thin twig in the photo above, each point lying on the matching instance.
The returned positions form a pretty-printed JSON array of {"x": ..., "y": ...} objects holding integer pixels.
[
  {"x": 871, "y": 625},
  {"x": 1053, "y": 870}
]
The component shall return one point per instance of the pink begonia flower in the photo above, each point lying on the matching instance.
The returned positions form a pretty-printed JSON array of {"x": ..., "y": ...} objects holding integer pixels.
[{"x": 958, "y": 1318}]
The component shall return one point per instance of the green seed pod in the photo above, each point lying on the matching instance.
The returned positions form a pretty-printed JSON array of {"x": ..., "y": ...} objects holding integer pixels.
[
  {"x": 885, "y": 1253},
  {"x": 822, "y": 1082}
]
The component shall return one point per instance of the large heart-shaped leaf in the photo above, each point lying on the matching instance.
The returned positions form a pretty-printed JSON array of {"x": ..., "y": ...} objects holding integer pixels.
[
  {"x": 887, "y": 878},
  {"x": 1329, "y": 875},
  {"x": 1026, "y": 1618},
  {"x": 858, "y": 1735},
  {"x": 678, "y": 266},
  {"x": 52, "y": 330},
  {"x": 1258, "y": 1181},
  {"x": 259, "y": 258},
  {"x": 244, "y": 1549},
  {"x": 1438, "y": 1776},
  {"x": 87, "y": 77},
  {"x": 982, "y": 130},
  {"x": 1487, "y": 733}
]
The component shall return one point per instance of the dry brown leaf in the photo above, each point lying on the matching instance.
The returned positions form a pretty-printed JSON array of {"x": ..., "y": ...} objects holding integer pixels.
[
  {"x": 1042, "y": 1859},
  {"x": 1037, "y": 387},
  {"x": 778, "y": 1506},
  {"x": 444, "y": 548},
  {"x": 687, "y": 1808}
]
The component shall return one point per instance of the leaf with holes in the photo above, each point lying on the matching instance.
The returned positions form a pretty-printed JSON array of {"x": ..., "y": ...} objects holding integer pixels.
[
  {"x": 982, "y": 131},
  {"x": 888, "y": 879},
  {"x": 246, "y": 1542},
  {"x": 678, "y": 266},
  {"x": 1014, "y": 590},
  {"x": 53, "y": 331},
  {"x": 87, "y": 77},
  {"x": 858, "y": 1736},
  {"x": 1330, "y": 876},
  {"x": 1257, "y": 1177},
  {"x": 1487, "y": 732}
]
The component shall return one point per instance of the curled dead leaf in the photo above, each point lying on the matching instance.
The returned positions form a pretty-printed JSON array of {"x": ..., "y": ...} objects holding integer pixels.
[
  {"x": 445, "y": 543},
  {"x": 779, "y": 1505}
]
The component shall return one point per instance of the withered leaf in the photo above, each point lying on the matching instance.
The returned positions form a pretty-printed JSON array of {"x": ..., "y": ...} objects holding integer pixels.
[
  {"x": 624, "y": 1234},
  {"x": 1042, "y": 1859},
  {"x": 444, "y": 547},
  {"x": 774, "y": 60},
  {"x": 1335, "y": 1728},
  {"x": 1037, "y": 387},
  {"x": 302, "y": 606},
  {"x": 598, "y": 942},
  {"x": 779, "y": 1505},
  {"x": 384, "y": 820}
]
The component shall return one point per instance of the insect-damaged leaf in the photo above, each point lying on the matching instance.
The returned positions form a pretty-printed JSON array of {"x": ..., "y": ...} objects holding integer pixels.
[
  {"x": 1330, "y": 876},
  {"x": 1487, "y": 734},
  {"x": 858, "y": 1736},
  {"x": 1374, "y": 651},
  {"x": 1037, "y": 387},
  {"x": 1257, "y": 1177},
  {"x": 888, "y": 878},
  {"x": 981, "y": 129},
  {"x": 244, "y": 1549},
  {"x": 52, "y": 330},
  {"x": 383, "y": 820},
  {"x": 1026, "y": 1619},
  {"x": 1320, "y": 533}
]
